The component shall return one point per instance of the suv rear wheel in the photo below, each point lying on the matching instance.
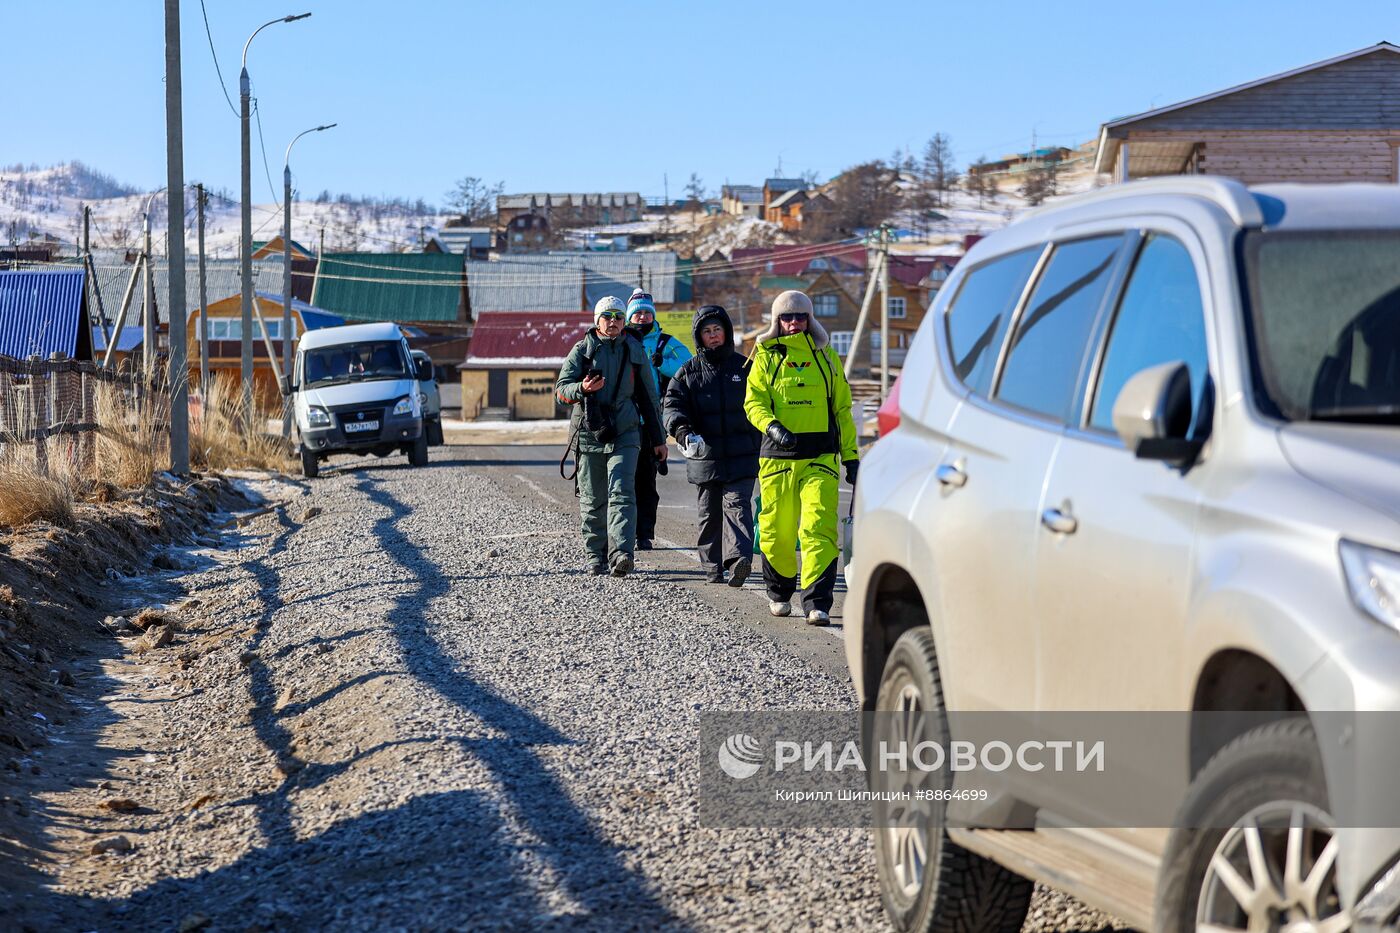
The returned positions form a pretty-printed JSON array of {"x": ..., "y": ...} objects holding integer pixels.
[
  {"x": 310, "y": 464},
  {"x": 1275, "y": 867},
  {"x": 928, "y": 882}
]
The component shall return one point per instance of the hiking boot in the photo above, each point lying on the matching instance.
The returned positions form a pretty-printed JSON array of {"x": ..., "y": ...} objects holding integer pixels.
[
  {"x": 740, "y": 571},
  {"x": 779, "y": 608},
  {"x": 717, "y": 577},
  {"x": 598, "y": 568},
  {"x": 622, "y": 565},
  {"x": 644, "y": 544},
  {"x": 817, "y": 617}
]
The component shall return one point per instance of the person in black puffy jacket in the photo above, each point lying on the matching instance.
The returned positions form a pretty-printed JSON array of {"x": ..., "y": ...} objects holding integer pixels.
[{"x": 704, "y": 411}]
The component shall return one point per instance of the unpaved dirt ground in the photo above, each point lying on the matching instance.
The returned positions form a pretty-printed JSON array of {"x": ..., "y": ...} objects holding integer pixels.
[{"x": 397, "y": 702}]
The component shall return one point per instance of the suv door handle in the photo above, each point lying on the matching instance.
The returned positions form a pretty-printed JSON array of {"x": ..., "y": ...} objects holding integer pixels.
[
  {"x": 1060, "y": 522},
  {"x": 951, "y": 475}
]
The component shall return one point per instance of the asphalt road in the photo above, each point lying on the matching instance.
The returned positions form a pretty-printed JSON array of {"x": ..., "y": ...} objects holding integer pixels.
[{"x": 531, "y": 473}]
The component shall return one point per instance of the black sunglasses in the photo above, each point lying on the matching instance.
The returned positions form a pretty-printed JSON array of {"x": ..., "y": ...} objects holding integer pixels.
[{"x": 793, "y": 318}]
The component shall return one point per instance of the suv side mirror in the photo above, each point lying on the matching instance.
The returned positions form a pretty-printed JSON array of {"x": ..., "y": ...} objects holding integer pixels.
[
  {"x": 424, "y": 370},
  {"x": 1152, "y": 415},
  {"x": 285, "y": 384}
]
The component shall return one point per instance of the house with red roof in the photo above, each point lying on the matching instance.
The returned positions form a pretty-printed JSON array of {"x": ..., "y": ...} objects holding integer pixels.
[{"x": 513, "y": 362}]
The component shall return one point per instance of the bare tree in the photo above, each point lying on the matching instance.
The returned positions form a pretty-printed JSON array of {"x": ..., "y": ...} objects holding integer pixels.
[
  {"x": 1037, "y": 186},
  {"x": 474, "y": 200},
  {"x": 940, "y": 173},
  {"x": 861, "y": 197},
  {"x": 695, "y": 188},
  {"x": 978, "y": 184}
]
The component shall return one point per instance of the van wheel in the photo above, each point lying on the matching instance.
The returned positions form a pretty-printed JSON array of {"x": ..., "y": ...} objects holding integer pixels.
[
  {"x": 418, "y": 453},
  {"x": 928, "y": 882},
  {"x": 1276, "y": 863},
  {"x": 434, "y": 429},
  {"x": 310, "y": 464}
]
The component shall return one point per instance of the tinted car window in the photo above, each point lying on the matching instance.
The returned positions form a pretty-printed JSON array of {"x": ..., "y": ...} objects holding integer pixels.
[
  {"x": 1048, "y": 347},
  {"x": 1325, "y": 310},
  {"x": 1160, "y": 320},
  {"x": 980, "y": 313}
]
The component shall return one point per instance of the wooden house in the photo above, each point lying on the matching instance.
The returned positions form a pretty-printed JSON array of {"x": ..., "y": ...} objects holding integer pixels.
[
  {"x": 1332, "y": 121},
  {"x": 226, "y": 338}
]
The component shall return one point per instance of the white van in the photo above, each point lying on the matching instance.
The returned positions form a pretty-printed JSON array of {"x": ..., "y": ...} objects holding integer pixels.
[{"x": 355, "y": 389}]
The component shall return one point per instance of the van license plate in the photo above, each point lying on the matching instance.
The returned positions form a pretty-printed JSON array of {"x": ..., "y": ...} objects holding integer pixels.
[{"x": 352, "y": 427}]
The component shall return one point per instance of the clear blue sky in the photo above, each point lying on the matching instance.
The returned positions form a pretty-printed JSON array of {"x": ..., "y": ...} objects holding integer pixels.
[{"x": 611, "y": 96}]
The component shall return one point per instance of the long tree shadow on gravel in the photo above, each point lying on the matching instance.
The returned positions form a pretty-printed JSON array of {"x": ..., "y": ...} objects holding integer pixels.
[{"x": 588, "y": 867}]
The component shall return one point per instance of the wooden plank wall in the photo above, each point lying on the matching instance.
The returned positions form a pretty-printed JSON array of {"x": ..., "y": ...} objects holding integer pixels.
[{"x": 1259, "y": 157}]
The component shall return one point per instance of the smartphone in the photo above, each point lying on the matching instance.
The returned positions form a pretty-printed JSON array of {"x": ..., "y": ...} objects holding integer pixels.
[{"x": 593, "y": 374}]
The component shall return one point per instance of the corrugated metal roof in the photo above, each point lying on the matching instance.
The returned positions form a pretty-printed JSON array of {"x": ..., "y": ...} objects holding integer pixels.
[
  {"x": 40, "y": 313},
  {"x": 654, "y": 271},
  {"x": 516, "y": 340},
  {"x": 512, "y": 285},
  {"x": 222, "y": 278},
  {"x": 401, "y": 287}
]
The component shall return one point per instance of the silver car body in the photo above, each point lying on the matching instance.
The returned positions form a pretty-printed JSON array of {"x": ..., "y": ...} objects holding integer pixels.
[
  {"x": 432, "y": 397},
  {"x": 1237, "y": 557}
]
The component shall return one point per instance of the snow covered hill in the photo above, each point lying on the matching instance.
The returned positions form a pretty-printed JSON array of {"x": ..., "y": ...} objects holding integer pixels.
[{"x": 38, "y": 202}]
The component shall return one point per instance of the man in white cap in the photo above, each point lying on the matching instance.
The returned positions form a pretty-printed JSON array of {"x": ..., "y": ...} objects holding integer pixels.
[
  {"x": 608, "y": 380},
  {"x": 798, "y": 396}
]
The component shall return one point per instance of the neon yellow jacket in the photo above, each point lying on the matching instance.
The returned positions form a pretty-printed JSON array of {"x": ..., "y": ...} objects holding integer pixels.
[{"x": 798, "y": 381}]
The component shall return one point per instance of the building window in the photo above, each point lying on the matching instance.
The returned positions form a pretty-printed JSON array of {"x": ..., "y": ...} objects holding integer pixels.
[
  {"x": 898, "y": 340},
  {"x": 825, "y": 305},
  {"x": 897, "y": 309},
  {"x": 517, "y": 238},
  {"x": 841, "y": 341}
]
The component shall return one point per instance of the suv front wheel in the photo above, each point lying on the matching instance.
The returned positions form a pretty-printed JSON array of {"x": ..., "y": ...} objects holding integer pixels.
[
  {"x": 1276, "y": 866},
  {"x": 928, "y": 882}
]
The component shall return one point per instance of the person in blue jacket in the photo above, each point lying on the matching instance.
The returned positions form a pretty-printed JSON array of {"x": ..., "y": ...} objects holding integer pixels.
[{"x": 667, "y": 355}]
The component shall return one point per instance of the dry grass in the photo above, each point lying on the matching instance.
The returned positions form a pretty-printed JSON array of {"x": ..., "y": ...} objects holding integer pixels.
[
  {"x": 228, "y": 436},
  {"x": 26, "y": 496},
  {"x": 132, "y": 441}
]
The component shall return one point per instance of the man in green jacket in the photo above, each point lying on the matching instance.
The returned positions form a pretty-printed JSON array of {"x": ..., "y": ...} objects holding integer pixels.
[
  {"x": 608, "y": 380},
  {"x": 799, "y": 398}
]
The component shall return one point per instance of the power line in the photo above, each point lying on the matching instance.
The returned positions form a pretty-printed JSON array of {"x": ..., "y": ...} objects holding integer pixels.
[
  {"x": 257, "y": 112},
  {"x": 215, "y": 56}
]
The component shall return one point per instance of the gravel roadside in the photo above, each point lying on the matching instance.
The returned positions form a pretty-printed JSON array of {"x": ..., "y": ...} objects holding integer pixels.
[{"x": 401, "y": 704}]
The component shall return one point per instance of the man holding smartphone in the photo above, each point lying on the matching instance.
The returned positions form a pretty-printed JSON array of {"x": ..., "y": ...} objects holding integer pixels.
[{"x": 608, "y": 381}]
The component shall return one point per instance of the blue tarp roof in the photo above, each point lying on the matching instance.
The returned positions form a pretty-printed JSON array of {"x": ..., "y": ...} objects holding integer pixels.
[
  {"x": 312, "y": 316},
  {"x": 130, "y": 339},
  {"x": 40, "y": 313}
]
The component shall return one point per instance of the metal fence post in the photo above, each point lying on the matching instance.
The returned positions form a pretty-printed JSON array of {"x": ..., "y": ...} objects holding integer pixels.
[
  {"x": 38, "y": 404},
  {"x": 87, "y": 449}
]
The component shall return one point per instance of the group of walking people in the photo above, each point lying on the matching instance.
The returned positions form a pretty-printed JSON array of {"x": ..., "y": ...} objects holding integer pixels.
[{"x": 780, "y": 419}]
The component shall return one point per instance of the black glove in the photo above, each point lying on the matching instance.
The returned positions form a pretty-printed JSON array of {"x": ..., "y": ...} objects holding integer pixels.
[
  {"x": 852, "y": 468},
  {"x": 681, "y": 434},
  {"x": 781, "y": 437}
]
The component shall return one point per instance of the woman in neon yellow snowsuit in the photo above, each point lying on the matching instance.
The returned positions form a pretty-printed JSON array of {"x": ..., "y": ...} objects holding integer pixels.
[{"x": 799, "y": 398}]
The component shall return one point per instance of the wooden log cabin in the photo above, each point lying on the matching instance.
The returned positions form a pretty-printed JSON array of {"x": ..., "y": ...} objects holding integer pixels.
[{"x": 1332, "y": 121}]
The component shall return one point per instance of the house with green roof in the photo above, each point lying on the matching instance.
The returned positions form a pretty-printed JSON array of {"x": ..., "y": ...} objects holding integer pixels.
[{"x": 408, "y": 288}]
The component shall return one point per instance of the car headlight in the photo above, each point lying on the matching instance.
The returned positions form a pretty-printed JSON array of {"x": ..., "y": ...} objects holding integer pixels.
[
  {"x": 1373, "y": 577},
  {"x": 404, "y": 406},
  {"x": 318, "y": 417}
]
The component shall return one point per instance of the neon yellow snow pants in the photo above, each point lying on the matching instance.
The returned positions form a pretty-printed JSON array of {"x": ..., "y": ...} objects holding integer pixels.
[{"x": 800, "y": 504}]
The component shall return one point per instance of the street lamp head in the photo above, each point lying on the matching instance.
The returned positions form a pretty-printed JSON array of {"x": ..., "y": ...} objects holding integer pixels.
[
  {"x": 326, "y": 127},
  {"x": 293, "y": 19}
]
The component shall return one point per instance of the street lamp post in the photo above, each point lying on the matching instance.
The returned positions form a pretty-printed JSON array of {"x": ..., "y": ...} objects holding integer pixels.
[
  {"x": 287, "y": 267},
  {"x": 246, "y": 285}
]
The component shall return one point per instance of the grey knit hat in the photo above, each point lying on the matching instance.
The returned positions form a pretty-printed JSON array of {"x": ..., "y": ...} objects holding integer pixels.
[{"x": 792, "y": 302}]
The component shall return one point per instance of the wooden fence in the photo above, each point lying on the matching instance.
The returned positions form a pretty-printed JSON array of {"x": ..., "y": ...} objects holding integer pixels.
[{"x": 53, "y": 404}]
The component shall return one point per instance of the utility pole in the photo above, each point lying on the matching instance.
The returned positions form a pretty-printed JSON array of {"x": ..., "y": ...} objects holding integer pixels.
[
  {"x": 92, "y": 275},
  {"x": 179, "y": 379},
  {"x": 246, "y": 239},
  {"x": 875, "y": 261},
  {"x": 884, "y": 311},
  {"x": 287, "y": 268},
  {"x": 203, "y": 305},
  {"x": 148, "y": 305}
]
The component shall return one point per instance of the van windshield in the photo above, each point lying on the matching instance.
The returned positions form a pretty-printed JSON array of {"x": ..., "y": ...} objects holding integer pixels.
[
  {"x": 355, "y": 362},
  {"x": 1325, "y": 324}
]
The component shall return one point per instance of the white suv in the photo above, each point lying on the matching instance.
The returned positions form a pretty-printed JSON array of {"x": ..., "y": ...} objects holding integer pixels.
[{"x": 1148, "y": 459}]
